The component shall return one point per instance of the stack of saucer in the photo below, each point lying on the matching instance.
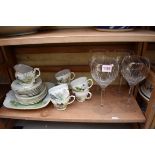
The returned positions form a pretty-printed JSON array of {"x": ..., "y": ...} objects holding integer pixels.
[{"x": 28, "y": 86}]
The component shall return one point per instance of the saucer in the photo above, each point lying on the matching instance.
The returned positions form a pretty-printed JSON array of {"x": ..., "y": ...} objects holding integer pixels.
[{"x": 11, "y": 103}]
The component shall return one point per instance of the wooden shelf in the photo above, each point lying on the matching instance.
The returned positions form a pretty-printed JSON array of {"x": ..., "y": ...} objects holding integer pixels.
[
  {"x": 79, "y": 35},
  {"x": 117, "y": 110},
  {"x": 151, "y": 77}
]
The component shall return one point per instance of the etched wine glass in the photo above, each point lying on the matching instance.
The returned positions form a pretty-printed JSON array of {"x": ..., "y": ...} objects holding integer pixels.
[
  {"x": 134, "y": 69},
  {"x": 119, "y": 55},
  {"x": 104, "y": 71}
]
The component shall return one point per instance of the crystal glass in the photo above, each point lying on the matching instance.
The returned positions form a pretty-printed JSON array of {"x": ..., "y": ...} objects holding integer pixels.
[
  {"x": 104, "y": 71},
  {"x": 134, "y": 69},
  {"x": 119, "y": 55}
]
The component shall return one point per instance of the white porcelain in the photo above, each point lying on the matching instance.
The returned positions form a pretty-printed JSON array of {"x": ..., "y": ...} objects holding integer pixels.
[
  {"x": 62, "y": 105},
  {"x": 60, "y": 96},
  {"x": 82, "y": 96},
  {"x": 59, "y": 89},
  {"x": 11, "y": 102},
  {"x": 64, "y": 76},
  {"x": 81, "y": 84},
  {"x": 26, "y": 74},
  {"x": 34, "y": 92},
  {"x": 25, "y": 100},
  {"x": 29, "y": 90}
]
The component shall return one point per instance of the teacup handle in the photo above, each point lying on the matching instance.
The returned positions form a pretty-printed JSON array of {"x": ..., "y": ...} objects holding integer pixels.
[
  {"x": 90, "y": 81},
  {"x": 72, "y": 96},
  {"x": 72, "y": 75},
  {"x": 89, "y": 95},
  {"x": 35, "y": 70}
]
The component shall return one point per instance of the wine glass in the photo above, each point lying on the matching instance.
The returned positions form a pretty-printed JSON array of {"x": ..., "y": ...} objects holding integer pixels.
[
  {"x": 104, "y": 71},
  {"x": 120, "y": 54},
  {"x": 134, "y": 69}
]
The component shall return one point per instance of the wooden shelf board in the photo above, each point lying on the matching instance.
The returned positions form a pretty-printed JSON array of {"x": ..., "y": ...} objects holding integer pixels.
[
  {"x": 79, "y": 35},
  {"x": 88, "y": 111}
]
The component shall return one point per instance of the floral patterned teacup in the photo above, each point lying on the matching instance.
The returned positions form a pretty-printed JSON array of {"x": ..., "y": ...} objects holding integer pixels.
[
  {"x": 82, "y": 96},
  {"x": 60, "y": 96},
  {"x": 81, "y": 84},
  {"x": 26, "y": 74},
  {"x": 64, "y": 76}
]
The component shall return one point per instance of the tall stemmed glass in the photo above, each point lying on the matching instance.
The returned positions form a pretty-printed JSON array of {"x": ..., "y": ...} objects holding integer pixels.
[
  {"x": 134, "y": 69},
  {"x": 119, "y": 55},
  {"x": 104, "y": 70}
]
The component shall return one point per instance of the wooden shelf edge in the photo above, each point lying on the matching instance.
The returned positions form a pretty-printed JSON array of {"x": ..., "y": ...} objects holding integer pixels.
[
  {"x": 88, "y": 112},
  {"x": 80, "y": 35},
  {"x": 75, "y": 120}
]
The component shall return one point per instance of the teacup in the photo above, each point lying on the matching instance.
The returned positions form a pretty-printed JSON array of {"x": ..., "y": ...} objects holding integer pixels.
[
  {"x": 82, "y": 96},
  {"x": 60, "y": 96},
  {"x": 81, "y": 84},
  {"x": 64, "y": 76},
  {"x": 26, "y": 74}
]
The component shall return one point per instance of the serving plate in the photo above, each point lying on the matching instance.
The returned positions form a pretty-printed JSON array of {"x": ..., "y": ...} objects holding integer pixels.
[
  {"x": 143, "y": 95},
  {"x": 11, "y": 103},
  {"x": 145, "y": 90}
]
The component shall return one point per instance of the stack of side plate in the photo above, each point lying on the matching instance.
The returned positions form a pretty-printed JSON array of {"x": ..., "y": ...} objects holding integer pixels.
[
  {"x": 28, "y": 94},
  {"x": 33, "y": 99},
  {"x": 27, "y": 90}
]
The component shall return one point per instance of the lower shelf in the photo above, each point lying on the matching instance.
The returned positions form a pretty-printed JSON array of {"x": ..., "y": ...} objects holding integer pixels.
[{"x": 116, "y": 110}]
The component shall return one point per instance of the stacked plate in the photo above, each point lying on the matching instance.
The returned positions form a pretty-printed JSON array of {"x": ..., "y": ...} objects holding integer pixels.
[
  {"x": 26, "y": 94},
  {"x": 12, "y": 103},
  {"x": 29, "y": 94}
]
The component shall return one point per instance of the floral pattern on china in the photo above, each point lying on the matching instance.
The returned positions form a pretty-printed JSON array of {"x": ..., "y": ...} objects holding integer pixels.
[{"x": 26, "y": 74}]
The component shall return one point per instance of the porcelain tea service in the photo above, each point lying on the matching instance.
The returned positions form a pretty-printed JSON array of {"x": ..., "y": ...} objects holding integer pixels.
[
  {"x": 28, "y": 89},
  {"x": 60, "y": 96},
  {"x": 26, "y": 74},
  {"x": 80, "y": 86}
]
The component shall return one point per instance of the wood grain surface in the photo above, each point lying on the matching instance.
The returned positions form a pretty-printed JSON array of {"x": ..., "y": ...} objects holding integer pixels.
[
  {"x": 80, "y": 35},
  {"x": 116, "y": 109}
]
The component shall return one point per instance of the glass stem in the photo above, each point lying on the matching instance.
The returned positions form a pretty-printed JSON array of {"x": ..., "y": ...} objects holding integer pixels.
[
  {"x": 130, "y": 92},
  {"x": 102, "y": 96},
  {"x": 120, "y": 83}
]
